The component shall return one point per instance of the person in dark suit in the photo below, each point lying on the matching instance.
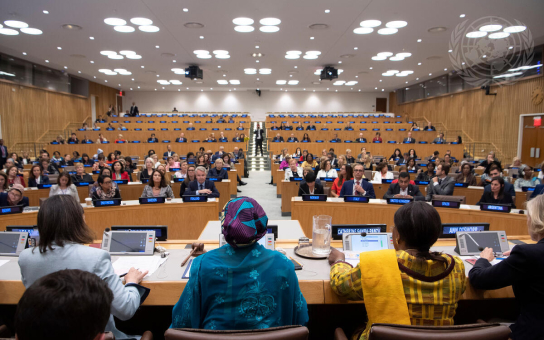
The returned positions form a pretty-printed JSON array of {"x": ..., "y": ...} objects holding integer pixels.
[
  {"x": 287, "y": 127},
  {"x": 497, "y": 193},
  {"x": 508, "y": 187},
  {"x": 80, "y": 175},
  {"x": 357, "y": 186},
  {"x": 361, "y": 139},
  {"x": 152, "y": 139},
  {"x": 539, "y": 190},
  {"x": 259, "y": 136},
  {"x": 190, "y": 127},
  {"x": 292, "y": 139},
  {"x": 222, "y": 138},
  {"x": 310, "y": 127},
  {"x": 496, "y": 172},
  {"x": 403, "y": 189},
  {"x": 409, "y": 139},
  {"x": 237, "y": 138},
  {"x": 219, "y": 154},
  {"x": 429, "y": 127},
  {"x": 201, "y": 186},
  {"x": 522, "y": 269},
  {"x": 134, "y": 110},
  {"x": 348, "y": 127},
  {"x": 217, "y": 171},
  {"x": 310, "y": 187},
  {"x": 14, "y": 197},
  {"x": 86, "y": 140},
  {"x": 73, "y": 139},
  {"x": 3, "y": 154},
  {"x": 275, "y": 127},
  {"x": 181, "y": 138},
  {"x": 169, "y": 152},
  {"x": 440, "y": 139},
  {"x": 278, "y": 138},
  {"x": 441, "y": 184},
  {"x": 336, "y": 139},
  {"x": 404, "y": 160},
  {"x": 300, "y": 127}
]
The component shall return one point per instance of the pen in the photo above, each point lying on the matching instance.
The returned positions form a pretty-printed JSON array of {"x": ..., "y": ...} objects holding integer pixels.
[{"x": 292, "y": 259}]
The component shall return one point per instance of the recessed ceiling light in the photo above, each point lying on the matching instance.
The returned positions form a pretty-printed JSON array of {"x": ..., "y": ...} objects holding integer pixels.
[
  {"x": 387, "y": 31},
  {"x": 269, "y": 29},
  {"x": 476, "y": 34},
  {"x": 419, "y": 40},
  {"x": 445, "y": 69},
  {"x": 380, "y": 80},
  {"x": 149, "y": 29},
  {"x": 126, "y": 52},
  {"x": 186, "y": 10},
  {"x": 108, "y": 52},
  {"x": 115, "y": 21},
  {"x": 379, "y": 57},
  {"x": 418, "y": 64},
  {"x": 363, "y": 30},
  {"x": 244, "y": 29},
  {"x": 24, "y": 53},
  {"x": 370, "y": 68},
  {"x": 222, "y": 56},
  {"x": 203, "y": 56},
  {"x": 173, "y": 61},
  {"x": 234, "y": 82},
  {"x": 396, "y": 24},
  {"x": 45, "y": 12},
  {"x": 72, "y": 27},
  {"x": 370, "y": 23},
  {"x": 201, "y": 37},
  {"x": 375, "y": 88},
  {"x": 356, "y": 48},
  {"x": 309, "y": 56},
  {"x": 490, "y": 28},
  {"x": 242, "y": 21},
  {"x": 293, "y": 52},
  {"x": 92, "y": 38},
  {"x": 78, "y": 71},
  {"x": 8, "y": 31},
  {"x": 65, "y": 67},
  {"x": 46, "y": 61},
  {"x": 511, "y": 47},
  {"x": 15, "y": 24},
  {"x": 295, "y": 66},
  {"x": 141, "y": 21},
  {"x": 105, "y": 81},
  {"x": 462, "y": 16},
  {"x": 311, "y": 38},
  {"x": 340, "y": 62},
  {"x": 124, "y": 29},
  {"x": 430, "y": 74},
  {"x": 327, "y": 11},
  {"x": 116, "y": 56},
  {"x": 384, "y": 54},
  {"x": 313, "y": 52},
  {"x": 281, "y": 82},
  {"x": 498, "y": 35},
  {"x": 142, "y": 66},
  {"x": 222, "y": 82},
  {"x": 514, "y": 29},
  {"x": 220, "y": 52},
  {"x": 449, "y": 51},
  {"x": 383, "y": 90},
  {"x": 269, "y": 21},
  {"x": 94, "y": 77},
  {"x": 292, "y": 56}
]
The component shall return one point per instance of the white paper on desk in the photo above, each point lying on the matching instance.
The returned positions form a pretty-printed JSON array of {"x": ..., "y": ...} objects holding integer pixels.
[
  {"x": 142, "y": 263},
  {"x": 3, "y": 262}
]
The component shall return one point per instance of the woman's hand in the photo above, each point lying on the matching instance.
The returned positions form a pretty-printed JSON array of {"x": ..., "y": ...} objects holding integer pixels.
[
  {"x": 135, "y": 276},
  {"x": 336, "y": 255},
  {"x": 487, "y": 254}
]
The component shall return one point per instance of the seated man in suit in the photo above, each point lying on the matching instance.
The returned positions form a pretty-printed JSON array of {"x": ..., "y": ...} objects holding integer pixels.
[
  {"x": 441, "y": 184},
  {"x": 409, "y": 139},
  {"x": 219, "y": 154},
  {"x": 190, "y": 127},
  {"x": 429, "y": 127},
  {"x": 201, "y": 186},
  {"x": 310, "y": 127},
  {"x": 361, "y": 139},
  {"x": 237, "y": 138},
  {"x": 357, "y": 186},
  {"x": 217, "y": 171},
  {"x": 440, "y": 139},
  {"x": 86, "y": 140},
  {"x": 300, "y": 127},
  {"x": 288, "y": 127},
  {"x": 67, "y": 161},
  {"x": 404, "y": 160},
  {"x": 211, "y": 138},
  {"x": 332, "y": 159},
  {"x": 336, "y": 139},
  {"x": 293, "y": 171},
  {"x": 222, "y": 138},
  {"x": 152, "y": 139},
  {"x": 310, "y": 187},
  {"x": 181, "y": 138},
  {"x": 169, "y": 152},
  {"x": 348, "y": 127},
  {"x": 220, "y": 120},
  {"x": 403, "y": 189},
  {"x": 278, "y": 138},
  {"x": 539, "y": 190},
  {"x": 73, "y": 139},
  {"x": 275, "y": 127},
  {"x": 292, "y": 138}
]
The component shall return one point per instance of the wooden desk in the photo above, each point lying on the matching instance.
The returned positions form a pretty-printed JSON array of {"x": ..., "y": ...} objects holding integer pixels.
[
  {"x": 369, "y": 213},
  {"x": 184, "y": 220},
  {"x": 395, "y": 135}
]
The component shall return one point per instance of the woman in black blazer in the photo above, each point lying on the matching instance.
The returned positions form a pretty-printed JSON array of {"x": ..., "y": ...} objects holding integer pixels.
[
  {"x": 497, "y": 194},
  {"x": 304, "y": 188},
  {"x": 191, "y": 176},
  {"x": 36, "y": 176},
  {"x": 523, "y": 269}
]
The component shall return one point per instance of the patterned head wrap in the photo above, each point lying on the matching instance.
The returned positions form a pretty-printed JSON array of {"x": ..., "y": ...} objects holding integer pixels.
[{"x": 243, "y": 222}]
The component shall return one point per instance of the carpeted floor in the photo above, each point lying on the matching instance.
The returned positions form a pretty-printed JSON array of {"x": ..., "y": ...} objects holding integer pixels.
[{"x": 258, "y": 188}]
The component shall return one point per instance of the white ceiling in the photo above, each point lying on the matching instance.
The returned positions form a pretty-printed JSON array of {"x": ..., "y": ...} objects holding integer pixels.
[{"x": 218, "y": 33}]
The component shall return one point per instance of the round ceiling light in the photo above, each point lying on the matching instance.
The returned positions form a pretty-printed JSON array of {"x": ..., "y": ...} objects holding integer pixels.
[
  {"x": 270, "y": 21},
  {"x": 220, "y": 52},
  {"x": 514, "y": 29},
  {"x": 310, "y": 56},
  {"x": 116, "y": 56},
  {"x": 115, "y": 21},
  {"x": 396, "y": 24},
  {"x": 370, "y": 23},
  {"x": 32, "y": 31},
  {"x": 313, "y": 52},
  {"x": 15, "y": 24},
  {"x": 476, "y": 34},
  {"x": 269, "y": 29},
  {"x": 363, "y": 30},
  {"x": 203, "y": 56},
  {"x": 149, "y": 29},
  {"x": 124, "y": 29},
  {"x": 8, "y": 31},
  {"x": 134, "y": 56},
  {"x": 222, "y": 56},
  {"x": 396, "y": 58},
  {"x": 292, "y": 56},
  {"x": 379, "y": 57},
  {"x": 108, "y": 52},
  {"x": 243, "y": 21},
  {"x": 490, "y": 28},
  {"x": 126, "y": 52},
  {"x": 384, "y": 54},
  {"x": 404, "y": 54},
  {"x": 201, "y": 52},
  {"x": 244, "y": 29},
  {"x": 499, "y": 35},
  {"x": 387, "y": 31},
  {"x": 293, "y": 52},
  {"x": 250, "y": 70},
  {"x": 141, "y": 21}
]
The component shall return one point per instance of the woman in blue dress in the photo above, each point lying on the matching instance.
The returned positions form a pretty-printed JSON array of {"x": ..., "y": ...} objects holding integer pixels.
[{"x": 241, "y": 285}]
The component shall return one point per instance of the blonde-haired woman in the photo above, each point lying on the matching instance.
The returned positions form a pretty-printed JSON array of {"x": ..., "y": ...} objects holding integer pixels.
[{"x": 522, "y": 270}]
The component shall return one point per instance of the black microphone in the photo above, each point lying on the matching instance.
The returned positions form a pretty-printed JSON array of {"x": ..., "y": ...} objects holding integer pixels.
[
  {"x": 107, "y": 230},
  {"x": 481, "y": 248},
  {"x": 363, "y": 234}
]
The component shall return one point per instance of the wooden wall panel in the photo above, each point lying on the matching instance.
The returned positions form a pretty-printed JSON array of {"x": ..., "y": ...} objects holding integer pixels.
[
  {"x": 484, "y": 118},
  {"x": 27, "y": 112}
]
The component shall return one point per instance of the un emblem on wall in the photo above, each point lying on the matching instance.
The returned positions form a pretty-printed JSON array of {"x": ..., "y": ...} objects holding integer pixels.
[{"x": 491, "y": 50}]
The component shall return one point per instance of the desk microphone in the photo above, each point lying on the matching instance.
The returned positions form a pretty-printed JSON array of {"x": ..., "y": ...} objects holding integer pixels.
[{"x": 363, "y": 234}]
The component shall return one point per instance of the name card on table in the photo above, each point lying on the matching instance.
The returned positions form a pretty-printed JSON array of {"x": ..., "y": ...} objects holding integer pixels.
[
  {"x": 446, "y": 204},
  {"x": 82, "y": 184},
  {"x": 215, "y": 179},
  {"x": 319, "y": 198},
  {"x": 422, "y": 182},
  {"x": 496, "y": 207},
  {"x": 357, "y": 199},
  {"x": 152, "y": 200},
  {"x": 327, "y": 179},
  {"x": 16, "y": 209},
  {"x": 120, "y": 181},
  {"x": 387, "y": 181},
  {"x": 107, "y": 202},
  {"x": 400, "y": 201},
  {"x": 295, "y": 179},
  {"x": 195, "y": 198},
  {"x": 525, "y": 189},
  {"x": 462, "y": 185}
]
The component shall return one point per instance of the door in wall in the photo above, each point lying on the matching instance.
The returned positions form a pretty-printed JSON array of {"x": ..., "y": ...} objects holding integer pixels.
[
  {"x": 532, "y": 144},
  {"x": 381, "y": 104}
]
